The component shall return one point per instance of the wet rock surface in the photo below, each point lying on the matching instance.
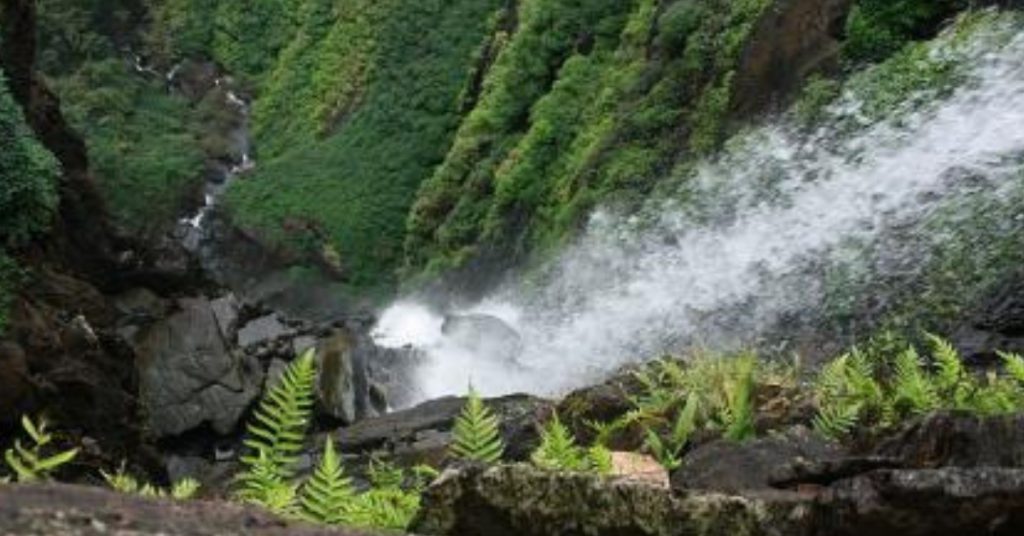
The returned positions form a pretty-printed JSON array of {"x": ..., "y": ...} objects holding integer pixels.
[
  {"x": 52, "y": 510},
  {"x": 189, "y": 376}
]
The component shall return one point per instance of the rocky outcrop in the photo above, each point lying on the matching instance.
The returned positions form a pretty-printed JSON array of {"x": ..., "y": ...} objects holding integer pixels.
[
  {"x": 79, "y": 511},
  {"x": 524, "y": 501},
  {"x": 730, "y": 467},
  {"x": 519, "y": 500},
  {"x": 189, "y": 376},
  {"x": 793, "y": 39}
]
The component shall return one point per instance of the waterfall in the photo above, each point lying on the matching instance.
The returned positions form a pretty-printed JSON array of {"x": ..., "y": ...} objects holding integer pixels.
[{"x": 725, "y": 265}]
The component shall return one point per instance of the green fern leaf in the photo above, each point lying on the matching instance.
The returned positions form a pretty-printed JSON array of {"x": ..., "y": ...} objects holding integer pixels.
[
  {"x": 476, "y": 436},
  {"x": 276, "y": 438},
  {"x": 327, "y": 496},
  {"x": 557, "y": 450}
]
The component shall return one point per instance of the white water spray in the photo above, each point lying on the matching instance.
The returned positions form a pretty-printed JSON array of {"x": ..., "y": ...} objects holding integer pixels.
[{"x": 634, "y": 288}]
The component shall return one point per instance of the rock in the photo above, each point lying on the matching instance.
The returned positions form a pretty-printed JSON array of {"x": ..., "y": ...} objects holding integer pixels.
[
  {"x": 188, "y": 377},
  {"x": 484, "y": 336},
  {"x": 263, "y": 330},
  {"x": 54, "y": 509},
  {"x": 422, "y": 425},
  {"x": 793, "y": 39},
  {"x": 962, "y": 440},
  {"x": 600, "y": 403},
  {"x": 226, "y": 310},
  {"x": 274, "y": 372},
  {"x": 638, "y": 468},
  {"x": 342, "y": 388},
  {"x": 139, "y": 306},
  {"x": 731, "y": 467},
  {"x": 14, "y": 377},
  {"x": 995, "y": 325},
  {"x": 938, "y": 502},
  {"x": 302, "y": 343},
  {"x": 520, "y": 500}
]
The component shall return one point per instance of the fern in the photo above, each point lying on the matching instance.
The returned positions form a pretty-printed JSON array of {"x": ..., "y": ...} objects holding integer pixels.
[
  {"x": 387, "y": 505},
  {"x": 328, "y": 495},
  {"x": 599, "y": 460},
  {"x": 476, "y": 437},
  {"x": 668, "y": 452},
  {"x": 913, "y": 390},
  {"x": 951, "y": 379},
  {"x": 1014, "y": 366},
  {"x": 124, "y": 482},
  {"x": 836, "y": 421},
  {"x": 30, "y": 464},
  {"x": 558, "y": 449},
  {"x": 276, "y": 437},
  {"x": 740, "y": 396}
]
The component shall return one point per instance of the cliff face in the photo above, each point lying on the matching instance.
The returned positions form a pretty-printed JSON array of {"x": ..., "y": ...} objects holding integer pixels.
[{"x": 81, "y": 237}]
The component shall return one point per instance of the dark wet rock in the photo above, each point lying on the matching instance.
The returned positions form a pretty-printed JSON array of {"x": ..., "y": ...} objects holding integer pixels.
[
  {"x": 226, "y": 310},
  {"x": 342, "y": 384},
  {"x": 188, "y": 376},
  {"x": 263, "y": 330},
  {"x": 962, "y": 440},
  {"x": 139, "y": 306},
  {"x": 731, "y": 467},
  {"x": 937, "y": 502},
  {"x": 421, "y": 433},
  {"x": 996, "y": 323},
  {"x": 524, "y": 501},
  {"x": 601, "y": 403},
  {"x": 52, "y": 509},
  {"x": 520, "y": 500},
  {"x": 14, "y": 377},
  {"x": 484, "y": 335}
]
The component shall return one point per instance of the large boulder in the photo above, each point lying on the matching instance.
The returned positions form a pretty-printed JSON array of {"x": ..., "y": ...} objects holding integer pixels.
[
  {"x": 520, "y": 500},
  {"x": 188, "y": 376},
  {"x": 731, "y": 467},
  {"x": 958, "y": 439}
]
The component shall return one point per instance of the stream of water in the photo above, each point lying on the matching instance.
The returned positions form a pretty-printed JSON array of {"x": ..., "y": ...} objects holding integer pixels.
[{"x": 720, "y": 272}]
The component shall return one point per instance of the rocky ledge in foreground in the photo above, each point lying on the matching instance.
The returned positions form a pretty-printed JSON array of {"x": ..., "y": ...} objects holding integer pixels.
[
  {"x": 63, "y": 510},
  {"x": 519, "y": 500}
]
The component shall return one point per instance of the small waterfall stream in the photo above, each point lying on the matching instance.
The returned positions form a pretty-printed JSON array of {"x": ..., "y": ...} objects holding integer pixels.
[{"x": 722, "y": 268}]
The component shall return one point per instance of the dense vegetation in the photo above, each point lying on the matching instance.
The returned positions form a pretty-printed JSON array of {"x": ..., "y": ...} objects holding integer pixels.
[{"x": 28, "y": 192}]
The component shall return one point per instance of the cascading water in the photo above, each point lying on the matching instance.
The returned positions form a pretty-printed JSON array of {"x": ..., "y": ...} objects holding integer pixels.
[
  {"x": 727, "y": 264},
  {"x": 216, "y": 187}
]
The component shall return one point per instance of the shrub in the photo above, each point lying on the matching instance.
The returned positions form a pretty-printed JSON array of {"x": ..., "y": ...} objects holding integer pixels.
[{"x": 878, "y": 28}]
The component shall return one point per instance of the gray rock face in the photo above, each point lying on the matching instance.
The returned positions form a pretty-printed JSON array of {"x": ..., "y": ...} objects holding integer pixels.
[
  {"x": 961, "y": 440},
  {"x": 521, "y": 500},
  {"x": 731, "y": 467},
  {"x": 263, "y": 330},
  {"x": 188, "y": 376}
]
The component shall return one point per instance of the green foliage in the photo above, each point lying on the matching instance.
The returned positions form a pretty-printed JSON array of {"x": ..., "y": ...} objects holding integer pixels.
[
  {"x": 558, "y": 451},
  {"x": 328, "y": 495},
  {"x": 352, "y": 116},
  {"x": 143, "y": 144},
  {"x": 31, "y": 463},
  {"x": 124, "y": 482},
  {"x": 28, "y": 177},
  {"x": 887, "y": 384},
  {"x": 668, "y": 450},
  {"x": 878, "y": 28},
  {"x": 276, "y": 437},
  {"x": 476, "y": 436}
]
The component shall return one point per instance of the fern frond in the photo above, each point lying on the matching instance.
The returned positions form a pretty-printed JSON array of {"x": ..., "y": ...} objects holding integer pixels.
[
  {"x": 29, "y": 463},
  {"x": 328, "y": 494},
  {"x": 276, "y": 437},
  {"x": 740, "y": 397},
  {"x": 913, "y": 390},
  {"x": 557, "y": 448},
  {"x": 476, "y": 436},
  {"x": 599, "y": 460},
  {"x": 1014, "y": 365},
  {"x": 185, "y": 489},
  {"x": 836, "y": 421},
  {"x": 384, "y": 508},
  {"x": 951, "y": 379}
]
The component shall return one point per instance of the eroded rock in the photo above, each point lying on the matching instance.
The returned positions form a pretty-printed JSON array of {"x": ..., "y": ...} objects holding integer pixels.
[{"x": 188, "y": 376}]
